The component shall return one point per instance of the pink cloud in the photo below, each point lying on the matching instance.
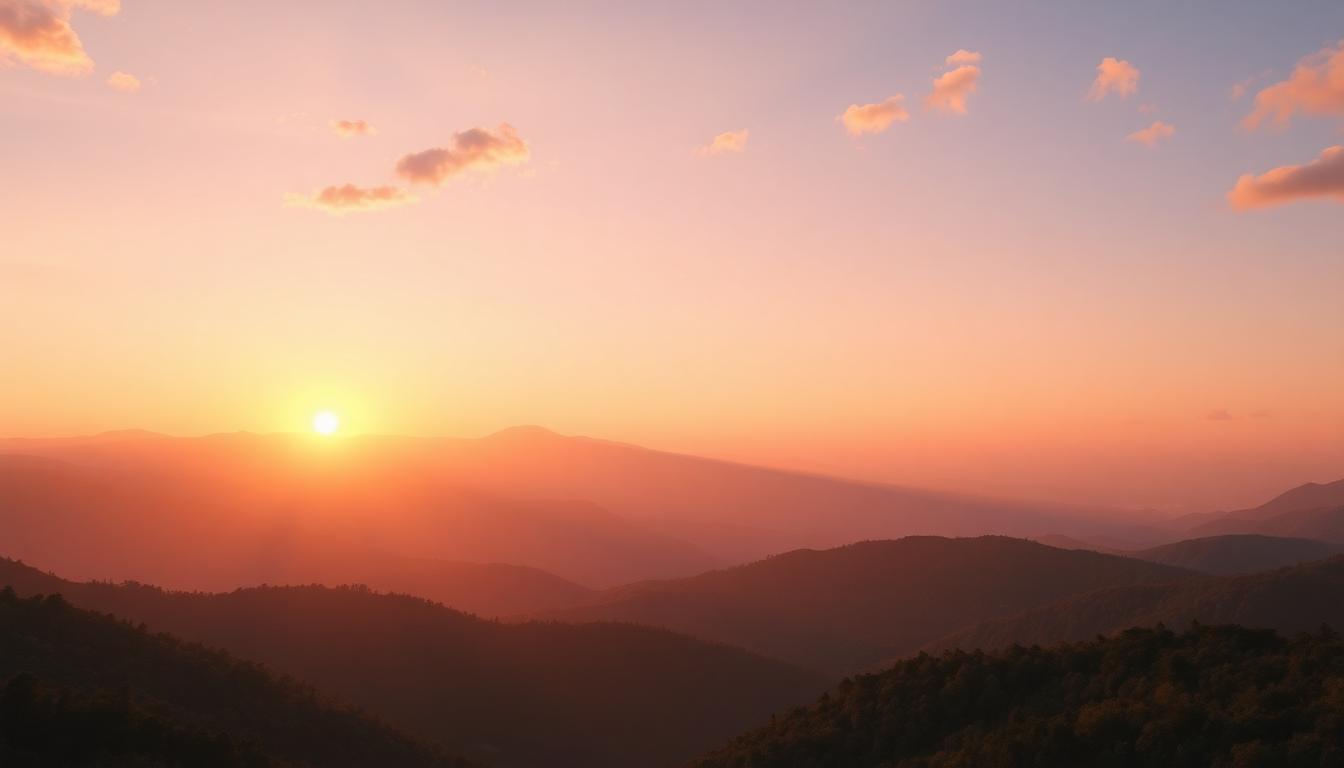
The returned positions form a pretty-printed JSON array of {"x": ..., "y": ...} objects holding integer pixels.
[
  {"x": 951, "y": 89},
  {"x": 1316, "y": 87},
  {"x": 861, "y": 119},
  {"x": 124, "y": 82},
  {"x": 1320, "y": 178},
  {"x": 348, "y": 128},
  {"x": 728, "y": 141},
  {"x": 473, "y": 149},
  {"x": 1153, "y": 134},
  {"x": 1114, "y": 76},
  {"x": 962, "y": 56},
  {"x": 37, "y": 34},
  {"x": 349, "y": 198}
]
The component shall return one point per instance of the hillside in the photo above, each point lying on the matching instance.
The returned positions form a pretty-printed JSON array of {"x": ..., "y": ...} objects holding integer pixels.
[
  {"x": 1222, "y": 696},
  {"x": 1295, "y": 599},
  {"x": 246, "y": 511},
  {"x": 842, "y": 609},
  {"x": 79, "y": 686},
  {"x": 1238, "y": 553},
  {"x": 513, "y": 694}
]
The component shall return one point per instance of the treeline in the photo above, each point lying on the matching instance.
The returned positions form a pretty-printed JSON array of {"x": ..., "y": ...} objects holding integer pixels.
[
  {"x": 82, "y": 688},
  {"x": 46, "y": 725},
  {"x": 1211, "y": 696}
]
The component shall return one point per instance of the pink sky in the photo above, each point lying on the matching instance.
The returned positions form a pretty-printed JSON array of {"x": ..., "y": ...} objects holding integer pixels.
[{"x": 916, "y": 242}]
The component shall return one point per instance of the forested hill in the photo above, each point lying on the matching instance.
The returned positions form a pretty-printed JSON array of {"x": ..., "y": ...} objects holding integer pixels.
[
  {"x": 81, "y": 688},
  {"x": 1290, "y": 600},
  {"x": 1224, "y": 696},
  {"x": 528, "y": 694},
  {"x": 843, "y": 610}
]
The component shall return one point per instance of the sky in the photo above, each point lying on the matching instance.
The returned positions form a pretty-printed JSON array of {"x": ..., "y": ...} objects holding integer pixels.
[{"x": 1088, "y": 252}]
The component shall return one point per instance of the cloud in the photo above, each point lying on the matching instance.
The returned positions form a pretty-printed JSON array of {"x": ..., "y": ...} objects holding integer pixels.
[
  {"x": 124, "y": 82},
  {"x": 1219, "y": 414},
  {"x": 350, "y": 198},
  {"x": 1322, "y": 177},
  {"x": 1115, "y": 75},
  {"x": 37, "y": 34},
  {"x": 861, "y": 119},
  {"x": 476, "y": 148},
  {"x": 348, "y": 128},
  {"x": 728, "y": 141},
  {"x": 1153, "y": 134},
  {"x": 1316, "y": 87},
  {"x": 951, "y": 88},
  {"x": 1147, "y": 109},
  {"x": 962, "y": 56}
]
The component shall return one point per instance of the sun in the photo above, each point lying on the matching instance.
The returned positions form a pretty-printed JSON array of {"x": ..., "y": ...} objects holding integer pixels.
[{"x": 325, "y": 423}]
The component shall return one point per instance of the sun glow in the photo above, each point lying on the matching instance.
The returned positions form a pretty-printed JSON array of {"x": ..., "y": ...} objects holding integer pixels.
[{"x": 325, "y": 423}]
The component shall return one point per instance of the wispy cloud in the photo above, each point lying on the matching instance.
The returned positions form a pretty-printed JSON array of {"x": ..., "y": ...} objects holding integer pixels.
[
  {"x": 1219, "y": 414},
  {"x": 37, "y": 34},
  {"x": 1114, "y": 76},
  {"x": 728, "y": 141},
  {"x": 349, "y": 198},
  {"x": 861, "y": 119},
  {"x": 474, "y": 149},
  {"x": 1153, "y": 134},
  {"x": 1320, "y": 178},
  {"x": 1315, "y": 87},
  {"x": 124, "y": 82},
  {"x": 349, "y": 128}
]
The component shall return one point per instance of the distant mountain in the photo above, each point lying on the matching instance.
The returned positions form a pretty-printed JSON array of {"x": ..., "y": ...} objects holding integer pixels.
[
  {"x": 79, "y": 688},
  {"x": 217, "y": 513},
  {"x": 529, "y": 694},
  {"x": 735, "y": 511},
  {"x": 1303, "y": 497},
  {"x": 1295, "y": 599},
  {"x": 1313, "y": 511},
  {"x": 842, "y": 609},
  {"x": 1238, "y": 553},
  {"x": 616, "y": 498},
  {"x": 1222, "y": 696},
  {"x": 1325, "y": 524}
]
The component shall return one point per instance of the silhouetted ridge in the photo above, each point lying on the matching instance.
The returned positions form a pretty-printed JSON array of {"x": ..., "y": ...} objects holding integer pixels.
[
  {"x": 137, "y": 695},
  {"x": 1238, "y": 553},
  {"x": 1294, "y": 599},
  {"x": 843, "y": 609},
  {"x": 531, "y": 694},
  {"x": 1222, "y": 696}
]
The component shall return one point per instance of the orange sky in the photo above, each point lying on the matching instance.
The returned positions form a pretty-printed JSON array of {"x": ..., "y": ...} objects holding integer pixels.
[{"x": 1049, "y": 253}]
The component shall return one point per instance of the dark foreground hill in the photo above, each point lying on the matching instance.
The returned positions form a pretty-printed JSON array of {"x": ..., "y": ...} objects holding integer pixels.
[
  {"x": 844, "y": 609},
  {"x": 1238, "y": 553},
  {"x": 78, "y": 688},
  {"x": 531, "y": 694},
  {"x": 1295, "y": 599},
  {"x": 1223, "y": 696}
]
